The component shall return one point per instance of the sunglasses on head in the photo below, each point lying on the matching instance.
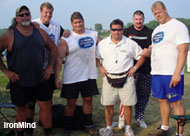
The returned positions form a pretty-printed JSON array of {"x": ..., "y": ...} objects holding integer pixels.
[
  {"x": 120, "y": 29},
  {"x": 22, "y": 14}
]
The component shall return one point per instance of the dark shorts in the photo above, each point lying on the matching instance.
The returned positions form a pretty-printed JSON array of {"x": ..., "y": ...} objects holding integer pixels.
[
  {"x": 51, "y": 82},
  {"x": 160, "y": 88},
  {"x": 20, "y": 96},
  {"x": 86, "y": 88}
]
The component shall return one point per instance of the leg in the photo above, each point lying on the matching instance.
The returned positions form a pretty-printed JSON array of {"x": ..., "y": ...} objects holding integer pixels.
[
  {"x": 165, "y": 111},
  {"x": 87, "y": 105},
  {"x": 21, "y": 115},
  {"x": 128, "y": 114},
  {"x": 178, "y": 110},
  {"x": 143, "y": 90},
  {"x": 45, "y": 115},
  {"x": 109, "y": 115}
]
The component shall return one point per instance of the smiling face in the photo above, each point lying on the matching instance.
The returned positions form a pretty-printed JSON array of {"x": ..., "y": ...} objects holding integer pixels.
[
  {"x": 46, "y": 15},
  {"x": 24, "y": 17},
  {"x": 78, "y": 25},
  {"x": 116, "y": 31},
  {"x": 138, "y": 21}
]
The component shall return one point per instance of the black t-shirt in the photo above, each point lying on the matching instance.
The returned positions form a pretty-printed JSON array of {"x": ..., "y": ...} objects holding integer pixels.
[{"x": 143, "y": 38}]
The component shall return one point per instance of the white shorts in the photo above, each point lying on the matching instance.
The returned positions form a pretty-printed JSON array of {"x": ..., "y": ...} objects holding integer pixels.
[{"x": 127, "y": 94}]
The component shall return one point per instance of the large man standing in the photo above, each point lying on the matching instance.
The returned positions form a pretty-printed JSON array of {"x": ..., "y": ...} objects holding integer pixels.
[
  {"x": 25, "y": 57},
  {"x": 142, "y": 35},
  {"x": 117, "y": 53},
  {"x": 170, "y": 41},
  {"x": 80, "y": 72},
  {"x": 55, "y": 31}
]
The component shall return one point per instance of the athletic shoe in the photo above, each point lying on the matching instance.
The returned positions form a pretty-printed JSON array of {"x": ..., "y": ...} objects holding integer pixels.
[
  {"x": 160, "y": 132},
  {"x": 129, "y": 132},
  {"x": 105, "y": 132},
  {"x": 141, "y": 123},
  {"x": 121, "y": 124}
]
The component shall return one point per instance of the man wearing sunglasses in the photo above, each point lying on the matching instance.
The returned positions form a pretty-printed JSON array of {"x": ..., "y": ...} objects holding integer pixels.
[
  {"x": 142, "y": 35},
  {"x": 26, "y": 45},
  {"x": 55, "y": 31},
  {"x": 117, "y": 53}
]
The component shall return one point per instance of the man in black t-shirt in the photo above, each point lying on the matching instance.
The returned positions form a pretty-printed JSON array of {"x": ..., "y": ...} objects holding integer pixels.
[{"x": 142, "y": 35}]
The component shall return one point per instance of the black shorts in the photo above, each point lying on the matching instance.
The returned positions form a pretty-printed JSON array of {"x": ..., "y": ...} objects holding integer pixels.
[
  {"x": 20, "y": 96},
  {"x": 86, "y": 88},
  {"x": 51, "y": 82}
]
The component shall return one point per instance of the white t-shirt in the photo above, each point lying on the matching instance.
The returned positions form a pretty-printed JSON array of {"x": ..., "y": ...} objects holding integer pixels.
[
  {"x": 80, "y": 64},
  {"x": 118, "y": 58},
  {"x": 53, "y": 30},
  {"x": 165, "y": 39}
]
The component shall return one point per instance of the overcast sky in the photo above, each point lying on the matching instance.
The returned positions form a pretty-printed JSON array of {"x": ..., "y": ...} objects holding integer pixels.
[{"x": 93, "y": 11}]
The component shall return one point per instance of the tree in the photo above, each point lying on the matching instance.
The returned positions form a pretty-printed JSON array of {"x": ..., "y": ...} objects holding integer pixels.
[
  {"x": 129, "y": 24},
  {"x": 98, "y": 27}
]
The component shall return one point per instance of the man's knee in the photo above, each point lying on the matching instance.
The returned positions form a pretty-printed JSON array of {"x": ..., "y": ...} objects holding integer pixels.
[{"x": 87, "y": 101}]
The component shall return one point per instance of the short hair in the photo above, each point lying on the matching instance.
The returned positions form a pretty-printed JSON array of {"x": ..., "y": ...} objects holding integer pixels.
[
  {"x": 116, "y": 22},
  {"x": 139, "y": 13},
  {"x": 47, "y": 5},
  {"x": 156, "y": 4},
  {"x": 76, "y": 15}
]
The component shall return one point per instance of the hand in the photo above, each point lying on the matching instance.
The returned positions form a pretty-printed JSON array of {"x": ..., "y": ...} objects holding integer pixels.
[
  {"x": 66, "y": 33},
  {"x": 175, "y": 80},
  {"x": 12, "y": 76},
  {"x": 146, "y": 52},
  {"x": 58, "y": 84},
  {"x": 131, "y": 71},
  {"x": 48, "y": 72},
  {"x": 103, "y": 71}
]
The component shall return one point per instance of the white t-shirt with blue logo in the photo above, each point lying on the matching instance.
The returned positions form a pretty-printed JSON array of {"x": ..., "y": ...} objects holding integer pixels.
[
  {"x": 53, "y": 30},
  {"x": 165, "y": 39},
  {"x": 80, "y": 64}
]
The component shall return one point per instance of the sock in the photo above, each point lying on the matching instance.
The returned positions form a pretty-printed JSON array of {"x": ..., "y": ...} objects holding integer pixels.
[
  {"x": 127, "y": 127},
  {"x": 20, "y": 133},
  {"x": 109, "y": 127},
  {"x": 181, "y": 135},
  {"x": 88, "y": 120},
  {"x": 29, "y": 120},
  {"x": 164, "y": 127},
  {"x": 68, "y": 122}
]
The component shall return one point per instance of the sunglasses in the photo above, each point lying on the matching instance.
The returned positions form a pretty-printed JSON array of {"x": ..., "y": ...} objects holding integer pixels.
[
  {"x": 120, "y": 29},
  {"x": 22, "y": 14}
]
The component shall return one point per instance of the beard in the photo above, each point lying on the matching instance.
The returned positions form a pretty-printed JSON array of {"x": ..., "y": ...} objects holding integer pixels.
[{"x": 25, "y": 23}]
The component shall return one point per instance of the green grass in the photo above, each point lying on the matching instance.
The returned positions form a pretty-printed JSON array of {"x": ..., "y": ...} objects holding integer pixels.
[{"x": 152, "y": 114}]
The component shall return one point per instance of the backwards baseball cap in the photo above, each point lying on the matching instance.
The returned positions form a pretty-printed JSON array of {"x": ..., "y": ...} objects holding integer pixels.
[{"x": 20, "y": 8}]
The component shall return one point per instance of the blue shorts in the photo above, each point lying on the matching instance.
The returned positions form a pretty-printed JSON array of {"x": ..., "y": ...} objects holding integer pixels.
[{"x": 161, "y": 89}]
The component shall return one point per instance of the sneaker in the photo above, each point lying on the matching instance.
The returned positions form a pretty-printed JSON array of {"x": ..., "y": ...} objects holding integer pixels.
[
  {"x": 66, "y": 132},
  {"x": 141, "y": 123},
  {"x": 160, "y": 132},
  {"x": 129, "y": 132},
  {"x": 91, "y": 131},
  {"x": 105, "y": 132},
  {"x": 121, "y": 124}
]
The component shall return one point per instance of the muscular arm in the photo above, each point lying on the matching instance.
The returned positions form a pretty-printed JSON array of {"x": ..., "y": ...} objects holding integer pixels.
[
  {"x": 62, "y": 51},
  {"x": 181, "y": 60},
  {"x": 6, "y": 41}
]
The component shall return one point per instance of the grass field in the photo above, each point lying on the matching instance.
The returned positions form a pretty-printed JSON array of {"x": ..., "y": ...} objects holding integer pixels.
[{"x": 152, "y": 114}]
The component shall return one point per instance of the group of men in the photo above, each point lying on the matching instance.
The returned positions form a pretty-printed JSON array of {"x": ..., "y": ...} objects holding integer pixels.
[{"x": 36, "y": 50}]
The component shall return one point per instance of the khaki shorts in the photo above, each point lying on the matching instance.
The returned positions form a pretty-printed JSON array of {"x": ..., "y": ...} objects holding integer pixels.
[{"x": 127, "y": 94}]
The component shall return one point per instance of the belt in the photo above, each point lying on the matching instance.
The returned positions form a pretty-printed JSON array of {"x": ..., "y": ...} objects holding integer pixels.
[{"x": 118, "y": 74}]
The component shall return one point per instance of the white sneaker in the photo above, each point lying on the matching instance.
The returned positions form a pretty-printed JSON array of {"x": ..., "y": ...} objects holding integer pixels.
[
  {"x": 129, "y": 132},
  {"x": 141, "y": 123},
  {"x": 105, "y": 132},
  {"x": 121, "y": 124}
]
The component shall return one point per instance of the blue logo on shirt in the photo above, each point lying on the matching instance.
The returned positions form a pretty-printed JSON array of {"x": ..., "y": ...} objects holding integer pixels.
[
  {"x": 158, "y": 37},
  {"x": 85, "y": 42},
  {"x": 52, "y": 36}
]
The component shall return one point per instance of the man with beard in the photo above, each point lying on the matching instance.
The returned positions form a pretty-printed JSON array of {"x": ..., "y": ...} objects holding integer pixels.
[{"x": 25, "y": 46}]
